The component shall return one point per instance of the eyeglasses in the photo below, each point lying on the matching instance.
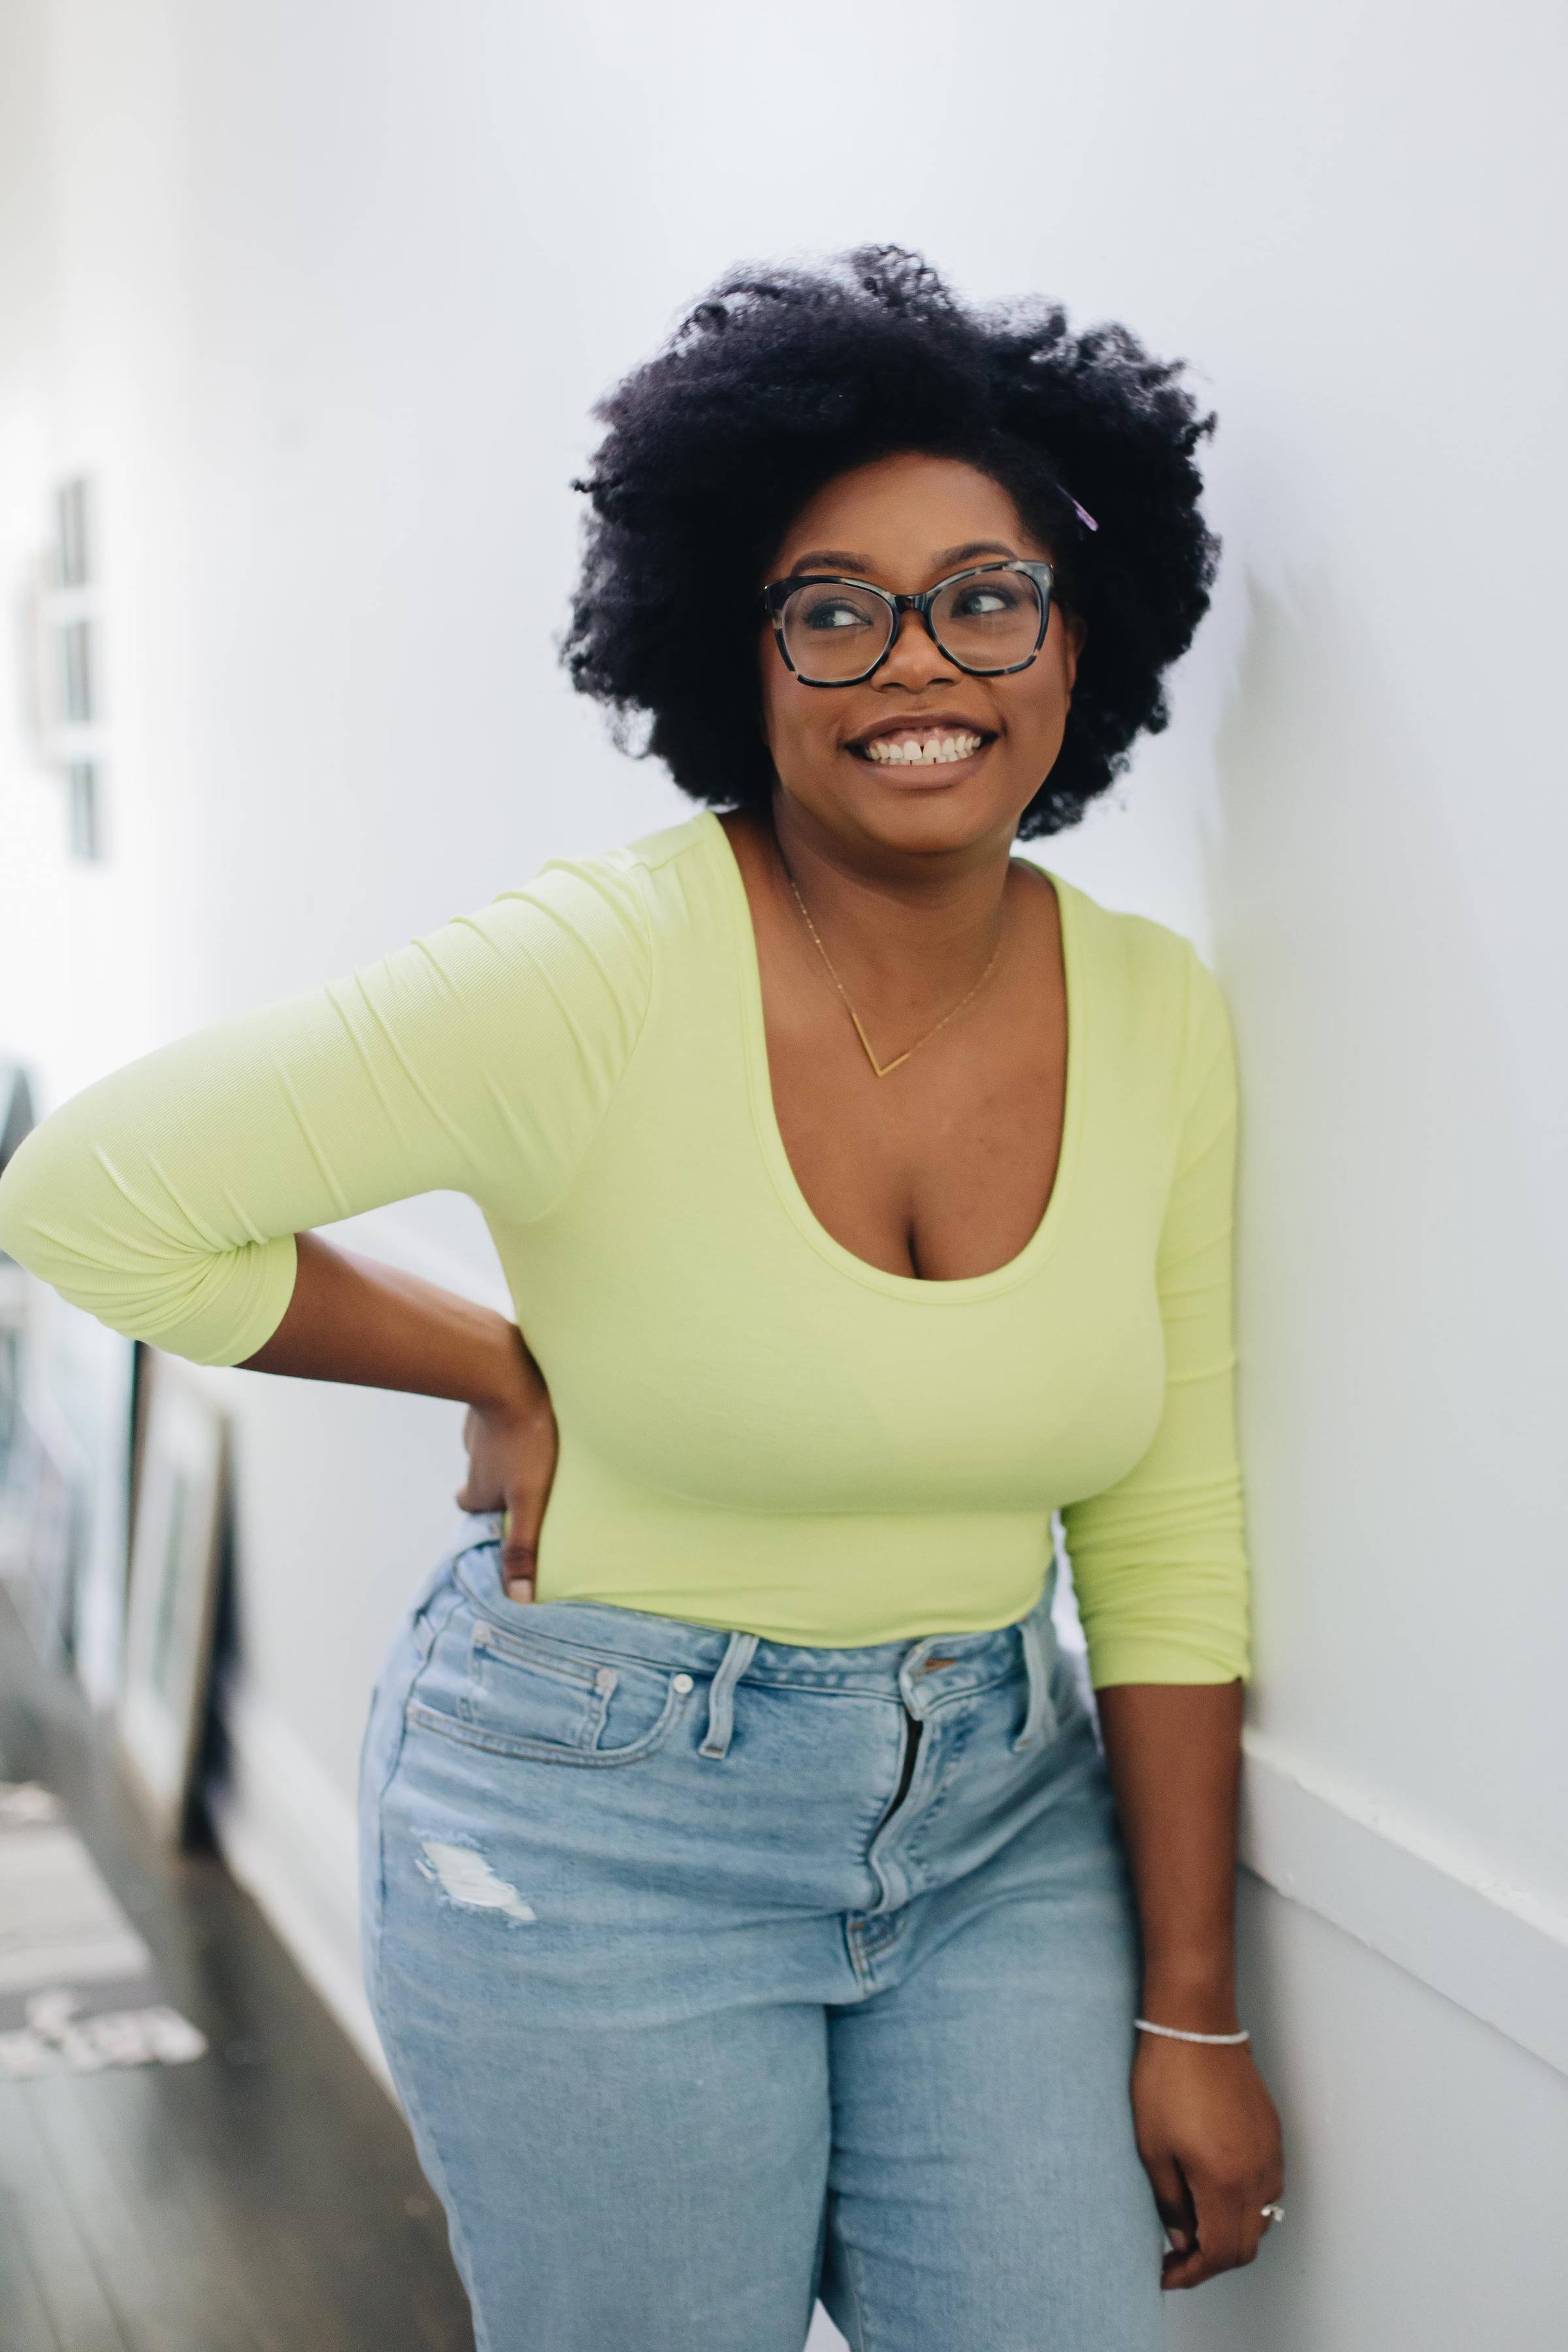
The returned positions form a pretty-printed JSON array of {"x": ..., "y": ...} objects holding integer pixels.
[{"x": 988, "y": 621}]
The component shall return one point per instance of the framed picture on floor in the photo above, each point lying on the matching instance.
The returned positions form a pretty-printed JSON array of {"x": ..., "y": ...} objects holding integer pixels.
[
  {"x": 16, "y": 1435},
  {"x": 174, "y": 1553}
]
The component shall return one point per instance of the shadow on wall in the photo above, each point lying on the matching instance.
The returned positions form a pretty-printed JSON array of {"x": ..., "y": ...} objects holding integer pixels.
[
  {"x": 1401, "y": 1322},
  {"x": 1403, "y": 1269}
]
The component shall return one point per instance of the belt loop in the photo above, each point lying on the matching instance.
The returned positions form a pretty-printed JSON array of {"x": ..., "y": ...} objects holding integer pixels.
[
  {"x": 738, "y": 1656},
  {"x": 1040, "y": 1716}
]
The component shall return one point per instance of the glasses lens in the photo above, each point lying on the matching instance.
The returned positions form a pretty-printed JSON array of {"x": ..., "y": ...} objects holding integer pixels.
[
  {"x": 989, "y": 621},
  {"x": 832, "y": 633}
]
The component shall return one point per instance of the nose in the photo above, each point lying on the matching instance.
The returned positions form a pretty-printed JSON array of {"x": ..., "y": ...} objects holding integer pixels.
[{"x": 916, "y": 660}]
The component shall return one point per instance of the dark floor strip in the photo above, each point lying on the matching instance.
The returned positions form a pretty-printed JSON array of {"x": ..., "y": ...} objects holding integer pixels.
[{"x": 264, "y": 2198}]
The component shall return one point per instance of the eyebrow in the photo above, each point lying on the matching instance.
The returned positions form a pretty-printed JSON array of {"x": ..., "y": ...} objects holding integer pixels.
[
  {"x": 819, "y": 558},
  {"x": 972, "y": 548}
]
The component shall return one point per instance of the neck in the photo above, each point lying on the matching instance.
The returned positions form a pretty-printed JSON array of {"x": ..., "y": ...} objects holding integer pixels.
[{"x": 939, "y": 911}]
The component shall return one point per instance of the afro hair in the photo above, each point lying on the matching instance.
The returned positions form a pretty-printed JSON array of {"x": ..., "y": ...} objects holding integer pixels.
[{"x": 781, "y": 379}]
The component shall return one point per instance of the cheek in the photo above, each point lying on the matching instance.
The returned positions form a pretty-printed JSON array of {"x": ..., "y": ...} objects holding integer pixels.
[
  {"x": 1036, "y": 706},
  {"x": 797, "y": 728},
  {"x": 777, "y": 702}
]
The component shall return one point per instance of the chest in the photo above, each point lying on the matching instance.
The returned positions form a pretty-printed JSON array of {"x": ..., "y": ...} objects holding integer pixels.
[
  {"x": 941, "y": 1172},
  {"x": 940, "y": 1166},
  {"x": 704, "y": 1323},
  {"x": 701, "y": 1326},
  {"x": 766, "y": 1284}
]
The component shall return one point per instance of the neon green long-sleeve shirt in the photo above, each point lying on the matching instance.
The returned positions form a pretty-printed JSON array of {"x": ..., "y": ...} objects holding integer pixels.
[{"x": 758, "y": 1429}]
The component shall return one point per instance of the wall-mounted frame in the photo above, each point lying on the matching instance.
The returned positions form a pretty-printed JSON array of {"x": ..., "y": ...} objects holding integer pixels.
[
  {"x": 175, "y": 1547},
  {"x": 64, "y": 697}
]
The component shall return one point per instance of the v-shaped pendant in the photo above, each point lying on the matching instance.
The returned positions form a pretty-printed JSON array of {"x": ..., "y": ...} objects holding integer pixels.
[{"x": 882, "y": 1069}]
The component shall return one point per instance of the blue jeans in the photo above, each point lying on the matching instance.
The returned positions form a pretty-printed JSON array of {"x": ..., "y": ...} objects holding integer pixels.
[{"x": 716, "y": 1973}]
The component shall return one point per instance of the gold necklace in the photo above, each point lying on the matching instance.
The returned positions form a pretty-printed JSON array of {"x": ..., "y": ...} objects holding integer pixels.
[{"x": 882, "y": 1069}]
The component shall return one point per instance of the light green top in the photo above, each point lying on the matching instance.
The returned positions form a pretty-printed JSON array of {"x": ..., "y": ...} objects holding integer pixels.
[{"x": 758, "y": 1429}]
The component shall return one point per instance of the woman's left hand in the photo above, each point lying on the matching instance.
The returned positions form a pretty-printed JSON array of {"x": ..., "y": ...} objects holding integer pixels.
[{"x": 1209, "y": 2139}]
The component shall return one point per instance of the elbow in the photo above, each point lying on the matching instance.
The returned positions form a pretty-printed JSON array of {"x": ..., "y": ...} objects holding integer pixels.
[
  {"x": 128, "y": 1255},
  {"x": 59, "y": 1221}
]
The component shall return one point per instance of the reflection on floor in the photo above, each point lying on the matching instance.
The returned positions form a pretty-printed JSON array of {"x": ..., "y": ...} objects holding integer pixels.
[{"x": 262, "y": 2198}]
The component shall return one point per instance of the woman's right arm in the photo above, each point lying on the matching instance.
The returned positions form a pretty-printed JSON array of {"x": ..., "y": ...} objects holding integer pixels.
[
  {"x": 166, "y": 1199},
  {"x": 352, "y": 1318}
]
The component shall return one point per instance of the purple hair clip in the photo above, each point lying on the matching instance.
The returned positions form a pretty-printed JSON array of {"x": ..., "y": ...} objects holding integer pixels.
[{"x": 1082, "y": 513}]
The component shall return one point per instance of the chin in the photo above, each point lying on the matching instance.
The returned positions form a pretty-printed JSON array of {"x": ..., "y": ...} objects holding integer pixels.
[{"x": 923, "y": 816}]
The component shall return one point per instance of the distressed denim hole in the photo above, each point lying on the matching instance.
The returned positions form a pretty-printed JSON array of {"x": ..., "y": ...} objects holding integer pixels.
[{"x": 465, "y": 1878}]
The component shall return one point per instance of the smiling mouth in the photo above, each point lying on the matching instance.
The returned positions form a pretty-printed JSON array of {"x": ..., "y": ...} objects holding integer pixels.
[{"x": 914, "y": 746}]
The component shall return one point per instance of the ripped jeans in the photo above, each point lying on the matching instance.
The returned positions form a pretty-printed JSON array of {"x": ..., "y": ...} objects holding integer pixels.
[{"x": 716, "y": 1974}]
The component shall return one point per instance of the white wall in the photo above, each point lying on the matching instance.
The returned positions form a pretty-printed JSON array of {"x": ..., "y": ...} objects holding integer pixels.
[{"x": 326, "y": 292}]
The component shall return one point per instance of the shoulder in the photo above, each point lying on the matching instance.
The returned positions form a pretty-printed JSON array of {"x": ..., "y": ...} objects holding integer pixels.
[
  {"x": 610, "y": 901},
  {"x": 588, "y": 928},
  {"x": 1134, "y": 948},
  {"x": 1149, "y": 980},
  {"x": 693, "y": 842}
]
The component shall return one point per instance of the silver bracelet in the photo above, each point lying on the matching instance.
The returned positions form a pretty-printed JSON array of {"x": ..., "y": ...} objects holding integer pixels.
[{"x": 1176, "y": 2033}]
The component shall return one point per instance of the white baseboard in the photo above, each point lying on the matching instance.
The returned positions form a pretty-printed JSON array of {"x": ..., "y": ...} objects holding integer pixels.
[
  {"x": 1496, "y": 1950},
  {"x": 287, "y": 1833}
]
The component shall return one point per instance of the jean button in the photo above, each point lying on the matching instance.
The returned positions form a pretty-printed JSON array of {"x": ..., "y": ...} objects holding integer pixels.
[{"x": 683, "y": 1683}]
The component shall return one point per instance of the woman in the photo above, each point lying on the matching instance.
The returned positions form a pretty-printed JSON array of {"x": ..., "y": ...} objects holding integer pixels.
[{"x": 748, "y": 1909}]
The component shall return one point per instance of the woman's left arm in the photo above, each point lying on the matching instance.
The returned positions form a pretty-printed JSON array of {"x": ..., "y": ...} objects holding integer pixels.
[
  {"x": 1207, "y": 2128},
  {"x": 1160, "y": 1568}
]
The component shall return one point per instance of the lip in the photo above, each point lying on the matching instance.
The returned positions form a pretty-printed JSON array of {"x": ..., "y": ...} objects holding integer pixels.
[{"x": 912, "y": 721}]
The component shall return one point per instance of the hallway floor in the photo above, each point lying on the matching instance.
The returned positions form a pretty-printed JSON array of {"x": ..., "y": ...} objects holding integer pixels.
[{"x": 262, "y": 2198}]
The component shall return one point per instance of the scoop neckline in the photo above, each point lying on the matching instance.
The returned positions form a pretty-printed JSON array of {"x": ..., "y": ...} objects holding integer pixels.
[{"x": 966, "y": 1289}]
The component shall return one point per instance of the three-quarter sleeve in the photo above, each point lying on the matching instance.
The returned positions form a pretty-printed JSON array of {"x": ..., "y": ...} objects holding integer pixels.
[
  {"x": 1159, "y": 1559},
  {"x": 479, "y": 1059}
]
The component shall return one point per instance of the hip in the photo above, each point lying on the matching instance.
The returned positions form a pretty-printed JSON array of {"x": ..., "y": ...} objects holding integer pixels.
[{"x": 620, "y": 1773}]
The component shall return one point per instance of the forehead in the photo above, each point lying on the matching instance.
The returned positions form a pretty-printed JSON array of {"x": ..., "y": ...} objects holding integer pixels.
[{"x": 902, "y": 511}]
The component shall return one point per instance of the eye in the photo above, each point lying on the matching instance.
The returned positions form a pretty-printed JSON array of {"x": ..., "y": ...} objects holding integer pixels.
[
  {"x": 983, "y": 598},
  {"x": 835, "y": 614}
]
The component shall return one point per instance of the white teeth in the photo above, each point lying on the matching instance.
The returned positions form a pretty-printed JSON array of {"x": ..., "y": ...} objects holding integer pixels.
[{"x": 925, "y": 750}]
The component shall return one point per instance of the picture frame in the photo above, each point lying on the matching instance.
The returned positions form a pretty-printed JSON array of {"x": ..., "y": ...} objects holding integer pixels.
[
  {"x": 52, "y": 1555},
  {"x": 176, "y": 1548},
  {"x": 64, "y": 671},
  {"x": 17, "y": 1448}
]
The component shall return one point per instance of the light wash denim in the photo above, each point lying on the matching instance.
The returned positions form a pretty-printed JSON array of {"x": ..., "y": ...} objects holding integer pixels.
[{"x": 715, "y": 1973}]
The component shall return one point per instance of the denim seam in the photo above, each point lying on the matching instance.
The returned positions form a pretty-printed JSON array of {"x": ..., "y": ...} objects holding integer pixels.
[
  {"x": 856, "y": 2285},
  {"x": 540, "y": 1752},
  {"x": 374, "y": 1939},
  {"x": 424, "y": 1642},
  {"x": 759, "y": 1675},
  {"x": 459, "y": 2235},
  {"x": 859, "y": 1959},
  {"x": 932, "y": 1813},
  {"x": 536, "y": 1654},
  {"x": 586, "y": 1685}
]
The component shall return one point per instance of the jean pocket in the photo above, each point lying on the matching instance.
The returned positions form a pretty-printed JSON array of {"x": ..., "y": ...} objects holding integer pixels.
[{"x": 542, "y": 1699}]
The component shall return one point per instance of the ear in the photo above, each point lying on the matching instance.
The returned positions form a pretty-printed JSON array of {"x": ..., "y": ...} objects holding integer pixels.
[{"x": 1076, "y": 633}]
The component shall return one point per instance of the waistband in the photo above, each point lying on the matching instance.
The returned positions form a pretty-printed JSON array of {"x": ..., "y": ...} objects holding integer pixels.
[{"x": 918, "y": 1674}]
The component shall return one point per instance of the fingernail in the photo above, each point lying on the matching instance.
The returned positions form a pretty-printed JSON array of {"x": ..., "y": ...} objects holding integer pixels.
[{"x": 1180, "y": 2242}]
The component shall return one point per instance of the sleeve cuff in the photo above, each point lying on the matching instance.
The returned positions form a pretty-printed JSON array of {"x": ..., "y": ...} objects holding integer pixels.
[
  {"x": 1135, "y": 1659},
  {"x": 250, "y": 1289}
]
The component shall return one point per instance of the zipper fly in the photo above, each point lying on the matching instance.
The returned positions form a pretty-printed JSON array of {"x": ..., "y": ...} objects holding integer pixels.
[{"x": 905, "y": 1768}]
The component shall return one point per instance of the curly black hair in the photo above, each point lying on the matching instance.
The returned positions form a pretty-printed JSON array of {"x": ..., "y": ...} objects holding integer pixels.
[{"x": 783, "y": 378}]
